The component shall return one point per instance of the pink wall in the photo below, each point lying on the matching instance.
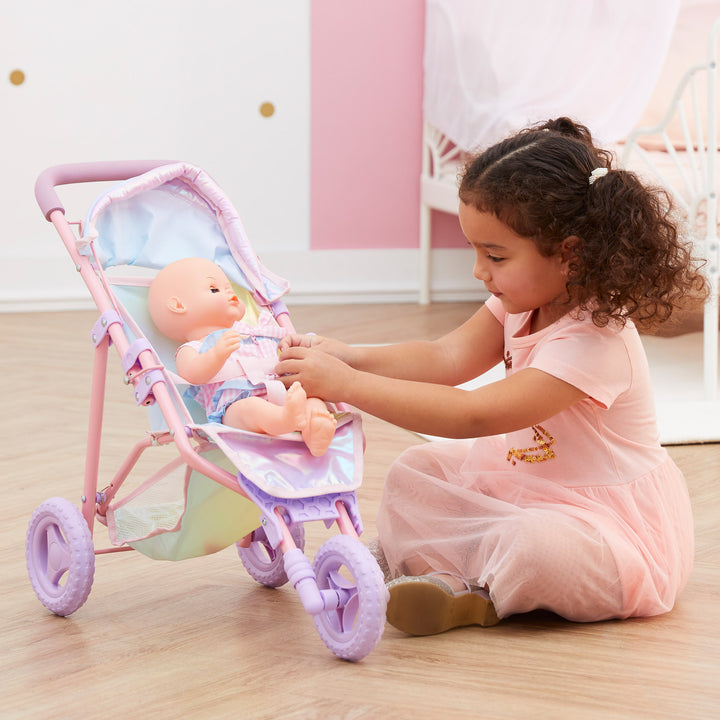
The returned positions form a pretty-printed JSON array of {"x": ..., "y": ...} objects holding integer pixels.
[
  {"x": 366, "y": 125},
  {"x": 366, "y": 120}
]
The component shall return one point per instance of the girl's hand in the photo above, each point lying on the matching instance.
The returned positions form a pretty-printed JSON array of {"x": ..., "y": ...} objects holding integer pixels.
[
  {"x": 321, "y": 374},
  {"x": 296, "y": 340},
  {"x": 336, "y": 348}
]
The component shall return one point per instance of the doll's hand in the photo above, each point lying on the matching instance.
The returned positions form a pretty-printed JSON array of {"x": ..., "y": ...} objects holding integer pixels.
[{"x": 228, "y": 343}]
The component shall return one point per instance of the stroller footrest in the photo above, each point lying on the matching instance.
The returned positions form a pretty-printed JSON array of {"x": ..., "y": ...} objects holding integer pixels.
[{"x": 299, "y": 510}]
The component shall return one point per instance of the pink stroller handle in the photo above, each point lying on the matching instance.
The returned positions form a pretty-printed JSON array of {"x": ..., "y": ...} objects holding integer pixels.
[{"x": 48, "y": 199}]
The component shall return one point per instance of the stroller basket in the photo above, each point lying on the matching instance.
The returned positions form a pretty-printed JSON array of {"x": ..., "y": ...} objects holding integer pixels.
[{"x": 225, "y": 486}]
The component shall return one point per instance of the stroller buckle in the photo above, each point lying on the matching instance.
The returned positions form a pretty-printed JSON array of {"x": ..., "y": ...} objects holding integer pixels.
[
  {"x": 133, "y": 369},
  {"x": 130, "y": 358},
  {"x": 102, "y": 326},
  {"x": 143, "y": 391}
]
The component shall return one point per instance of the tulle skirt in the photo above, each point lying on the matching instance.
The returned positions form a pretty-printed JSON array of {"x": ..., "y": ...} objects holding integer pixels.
[{"x": 585, "y": 553}]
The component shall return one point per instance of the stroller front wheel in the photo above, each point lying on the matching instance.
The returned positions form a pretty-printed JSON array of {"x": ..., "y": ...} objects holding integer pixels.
[
  {"x": 60, "y": 556},
  {"x": 354, "y": 628}
]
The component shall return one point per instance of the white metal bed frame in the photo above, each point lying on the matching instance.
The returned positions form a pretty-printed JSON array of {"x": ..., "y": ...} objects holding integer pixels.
[
  {"x": 441, "y": 163},
  {"x": 692, "y": 179}
]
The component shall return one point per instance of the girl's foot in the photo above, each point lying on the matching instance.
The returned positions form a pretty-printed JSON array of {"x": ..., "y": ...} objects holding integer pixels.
[
  {"x": 295, "y": 400},
  {"x": 427, "y": 605},
  {"x": 319, "y": 431}
]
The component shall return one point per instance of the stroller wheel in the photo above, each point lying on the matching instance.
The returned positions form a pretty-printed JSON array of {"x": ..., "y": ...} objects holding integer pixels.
[
  {"x": 355, "y": 627},
  {"x": 265, "y": 563},
  {"x": 60, "y": 556}
]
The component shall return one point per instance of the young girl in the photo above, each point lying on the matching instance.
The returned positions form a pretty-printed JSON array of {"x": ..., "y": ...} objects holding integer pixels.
[{"x": 562, "y": 497}]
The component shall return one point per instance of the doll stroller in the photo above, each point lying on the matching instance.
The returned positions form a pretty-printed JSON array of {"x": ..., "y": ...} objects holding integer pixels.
[{"x": 225, "y": 486}]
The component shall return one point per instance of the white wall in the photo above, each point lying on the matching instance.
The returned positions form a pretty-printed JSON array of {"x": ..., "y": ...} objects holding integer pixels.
[
  {"x": 176, "y": 79},
  {"x": 171, "y": 79}
]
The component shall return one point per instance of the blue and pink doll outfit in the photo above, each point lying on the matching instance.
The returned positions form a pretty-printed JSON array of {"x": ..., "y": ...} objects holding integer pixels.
[{"x": 247, "y": 372}]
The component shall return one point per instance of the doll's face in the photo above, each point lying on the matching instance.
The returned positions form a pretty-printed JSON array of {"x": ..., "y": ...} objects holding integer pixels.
[
  {"x": 192, "y": 297},
  {"x": 209, "y": 299}
]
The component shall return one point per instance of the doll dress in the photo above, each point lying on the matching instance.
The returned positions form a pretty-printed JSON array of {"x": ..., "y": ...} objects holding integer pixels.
[
  {"x": 247, "y": 372},
  {"x": 585, "y": 514}
]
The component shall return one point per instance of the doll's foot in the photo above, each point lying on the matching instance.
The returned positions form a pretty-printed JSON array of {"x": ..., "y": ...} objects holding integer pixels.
[
  {"x": 295, "y": 401},
  {"x": 319, "y": 431}
]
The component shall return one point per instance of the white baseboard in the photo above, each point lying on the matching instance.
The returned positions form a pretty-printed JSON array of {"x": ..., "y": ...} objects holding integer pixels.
[{"x": 316, "y": 277}]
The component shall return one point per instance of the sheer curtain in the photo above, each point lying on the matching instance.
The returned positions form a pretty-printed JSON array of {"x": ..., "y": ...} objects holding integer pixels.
[{"x": 493, "y": 66}]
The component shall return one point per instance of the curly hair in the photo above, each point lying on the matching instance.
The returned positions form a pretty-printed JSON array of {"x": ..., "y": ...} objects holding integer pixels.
[{"x": 629, "y": 259}]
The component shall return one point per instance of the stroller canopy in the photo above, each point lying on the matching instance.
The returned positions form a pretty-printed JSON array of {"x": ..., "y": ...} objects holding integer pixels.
[{"x": 172, "y": 212}]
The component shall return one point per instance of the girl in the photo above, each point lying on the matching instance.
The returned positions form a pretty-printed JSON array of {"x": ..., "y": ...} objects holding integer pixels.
[{"x": 558, "y": 494}]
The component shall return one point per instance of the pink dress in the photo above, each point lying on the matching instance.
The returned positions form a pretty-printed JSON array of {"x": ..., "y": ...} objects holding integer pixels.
[{"x": 585, "y": 514}]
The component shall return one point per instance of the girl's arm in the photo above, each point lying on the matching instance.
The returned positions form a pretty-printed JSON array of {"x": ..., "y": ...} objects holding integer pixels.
[
  {"x": 524, "y": 399},
  {"x": 461, "y": 355},
  {"x": 411, "y": 384}
]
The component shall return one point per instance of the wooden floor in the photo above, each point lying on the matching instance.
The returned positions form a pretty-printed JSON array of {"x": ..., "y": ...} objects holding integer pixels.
[{"x": 200, "y": 639}]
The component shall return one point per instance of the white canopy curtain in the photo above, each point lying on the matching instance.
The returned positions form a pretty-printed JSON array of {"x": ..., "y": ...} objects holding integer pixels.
[{"x": 493, "y": 67}]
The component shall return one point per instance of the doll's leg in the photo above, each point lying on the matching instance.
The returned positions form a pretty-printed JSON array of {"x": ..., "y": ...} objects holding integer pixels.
[
  {"x": 258, "y": 415},
  {"x": 320, "y": 427}
]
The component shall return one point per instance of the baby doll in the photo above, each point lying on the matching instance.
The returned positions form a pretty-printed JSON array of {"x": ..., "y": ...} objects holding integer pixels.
[{"x": 193, "y": 302}]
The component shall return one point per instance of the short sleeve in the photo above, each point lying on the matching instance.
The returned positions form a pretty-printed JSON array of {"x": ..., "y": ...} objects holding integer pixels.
[
  {"x": 594, "y": 360},
  {"x": 495, "y": 306}
]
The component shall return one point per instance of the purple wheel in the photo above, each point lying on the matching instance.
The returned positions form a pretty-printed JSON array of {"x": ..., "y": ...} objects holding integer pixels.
[
  {"x": 265, "y": 563},
  {"x": 346, "y": 566},
  {"x": 60, "y": 556}
]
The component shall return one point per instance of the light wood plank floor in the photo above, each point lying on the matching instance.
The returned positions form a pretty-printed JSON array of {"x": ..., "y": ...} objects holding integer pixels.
[{"x": 200, "y": 639}]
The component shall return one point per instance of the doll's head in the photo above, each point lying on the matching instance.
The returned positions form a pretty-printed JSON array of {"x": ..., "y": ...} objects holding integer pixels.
[{"x": 191, "y": 298}]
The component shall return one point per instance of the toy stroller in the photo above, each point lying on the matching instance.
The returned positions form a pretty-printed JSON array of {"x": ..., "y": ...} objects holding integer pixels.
[{"x": 226, "y": 485}]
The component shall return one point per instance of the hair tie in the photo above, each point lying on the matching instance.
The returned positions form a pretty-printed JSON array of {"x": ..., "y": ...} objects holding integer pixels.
[{"x": 597, "y": 173}]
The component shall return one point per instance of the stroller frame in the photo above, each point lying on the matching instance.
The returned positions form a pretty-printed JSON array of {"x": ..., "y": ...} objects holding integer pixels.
[{"x": 349, "y": 613}]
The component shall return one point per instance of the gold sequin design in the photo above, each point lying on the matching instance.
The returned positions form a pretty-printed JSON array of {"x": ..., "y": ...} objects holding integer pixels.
[
  {"x": 508, "y": 360},
  {"x": 539, "y": 453}
]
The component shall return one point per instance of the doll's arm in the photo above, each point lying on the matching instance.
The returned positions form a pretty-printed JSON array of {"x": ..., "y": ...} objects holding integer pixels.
[{"x": 199, "y": 368}]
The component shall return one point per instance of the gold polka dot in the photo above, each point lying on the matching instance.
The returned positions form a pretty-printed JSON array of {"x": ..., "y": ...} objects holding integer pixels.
[
  {"x": 17, "y": 77},
  {"x": 267, "y": 109}
]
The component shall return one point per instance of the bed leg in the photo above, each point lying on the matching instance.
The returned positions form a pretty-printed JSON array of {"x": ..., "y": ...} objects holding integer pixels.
[
  {"x": 710, "y": 341},
  {"x": 425, "y": 254}
]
